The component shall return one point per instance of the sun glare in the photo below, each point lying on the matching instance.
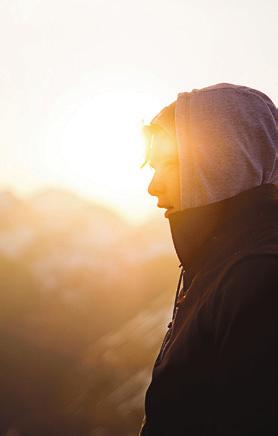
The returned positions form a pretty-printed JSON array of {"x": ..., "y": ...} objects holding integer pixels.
[{"x": 99, "y": 150}]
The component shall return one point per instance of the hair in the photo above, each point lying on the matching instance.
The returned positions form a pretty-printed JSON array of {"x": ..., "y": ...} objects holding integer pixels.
[
  {"x": 164, "y": 121},
  {"x": 148, "y": 132}
]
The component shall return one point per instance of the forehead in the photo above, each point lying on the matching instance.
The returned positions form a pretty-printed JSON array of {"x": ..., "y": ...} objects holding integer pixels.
[{"x": 162, "y": 147}]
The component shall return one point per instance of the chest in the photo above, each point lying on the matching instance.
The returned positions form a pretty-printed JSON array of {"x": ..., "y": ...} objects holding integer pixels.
[{"x": 189, "y": 343}]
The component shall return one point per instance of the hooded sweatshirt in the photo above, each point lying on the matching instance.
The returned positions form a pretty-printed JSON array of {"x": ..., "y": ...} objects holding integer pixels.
[
  {"x": 217, "y": 371},
  {"x": 227, "y": 141}
]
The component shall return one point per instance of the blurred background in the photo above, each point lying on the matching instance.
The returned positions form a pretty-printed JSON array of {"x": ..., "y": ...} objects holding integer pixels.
[{"x": 87, "y": 267}]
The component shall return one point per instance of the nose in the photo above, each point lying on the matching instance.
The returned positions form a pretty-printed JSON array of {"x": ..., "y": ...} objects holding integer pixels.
[{"x": 155, "y": 186}]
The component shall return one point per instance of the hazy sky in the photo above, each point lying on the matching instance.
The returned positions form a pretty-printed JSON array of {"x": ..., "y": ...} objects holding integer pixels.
[{"x": 78, "y": 77}]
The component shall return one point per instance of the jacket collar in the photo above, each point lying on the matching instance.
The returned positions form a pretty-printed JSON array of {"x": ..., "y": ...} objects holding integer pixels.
[{"x": 205, "y": 235}]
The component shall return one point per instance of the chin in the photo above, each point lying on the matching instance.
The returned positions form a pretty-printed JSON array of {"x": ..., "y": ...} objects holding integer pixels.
[{"x": 169, "y": 212}]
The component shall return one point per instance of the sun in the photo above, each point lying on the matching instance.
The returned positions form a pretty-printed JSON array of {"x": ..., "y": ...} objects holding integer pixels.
[{"x": 99, "y": 150}]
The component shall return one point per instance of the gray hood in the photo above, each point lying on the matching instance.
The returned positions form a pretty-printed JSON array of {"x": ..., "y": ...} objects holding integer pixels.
[{"x": 227, "y": 141}]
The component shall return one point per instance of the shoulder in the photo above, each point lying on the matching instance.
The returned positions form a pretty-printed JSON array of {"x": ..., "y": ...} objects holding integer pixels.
[
  {"x": 246, "y": 292},
  {"x": 251, "y": 273}
]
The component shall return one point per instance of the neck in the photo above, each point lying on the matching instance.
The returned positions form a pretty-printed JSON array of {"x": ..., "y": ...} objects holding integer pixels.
[{"x": 204, "y": 235}]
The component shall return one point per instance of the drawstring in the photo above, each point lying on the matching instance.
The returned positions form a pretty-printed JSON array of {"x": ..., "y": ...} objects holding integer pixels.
[
  {"x": 178, "y": 289},
  {"x": 177, "y": 295}
]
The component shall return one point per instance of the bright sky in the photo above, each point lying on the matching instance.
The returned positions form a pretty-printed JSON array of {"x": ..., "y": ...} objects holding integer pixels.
[{"x": 77, "y": 77}]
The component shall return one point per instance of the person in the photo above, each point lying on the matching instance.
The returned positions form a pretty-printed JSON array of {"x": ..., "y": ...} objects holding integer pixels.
[{"x": 214, "y": 155}]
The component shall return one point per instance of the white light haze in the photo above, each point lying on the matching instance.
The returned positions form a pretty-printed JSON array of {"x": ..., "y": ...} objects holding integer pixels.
[{"x": 78, "y": 77}]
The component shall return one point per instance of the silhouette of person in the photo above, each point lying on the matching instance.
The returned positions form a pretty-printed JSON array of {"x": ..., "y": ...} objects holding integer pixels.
[{"x": 214, "y": 155}]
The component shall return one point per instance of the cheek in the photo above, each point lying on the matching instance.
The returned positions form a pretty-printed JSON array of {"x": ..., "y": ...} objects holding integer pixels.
[
  {"x": 174, "y": 187},
  {"x": 173, "y": 178},
  {"x": 164, "y": 175},
  {"x": 168, "y": 176}
]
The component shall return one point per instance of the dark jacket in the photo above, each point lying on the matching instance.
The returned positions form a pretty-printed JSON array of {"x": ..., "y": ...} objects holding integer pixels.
[{"x": 217, "y": 370}]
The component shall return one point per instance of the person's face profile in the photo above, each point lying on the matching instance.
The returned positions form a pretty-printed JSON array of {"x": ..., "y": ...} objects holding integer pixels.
[{"x": 165, "y": 183}]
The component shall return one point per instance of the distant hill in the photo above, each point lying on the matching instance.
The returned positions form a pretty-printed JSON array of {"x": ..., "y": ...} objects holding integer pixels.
[{"x": 91, "y": 295}]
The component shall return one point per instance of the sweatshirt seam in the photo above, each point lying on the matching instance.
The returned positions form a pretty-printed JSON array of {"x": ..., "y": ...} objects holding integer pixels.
[
  {"x": 239, "y": 89},
  {"x": 215, "y": 89}
]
